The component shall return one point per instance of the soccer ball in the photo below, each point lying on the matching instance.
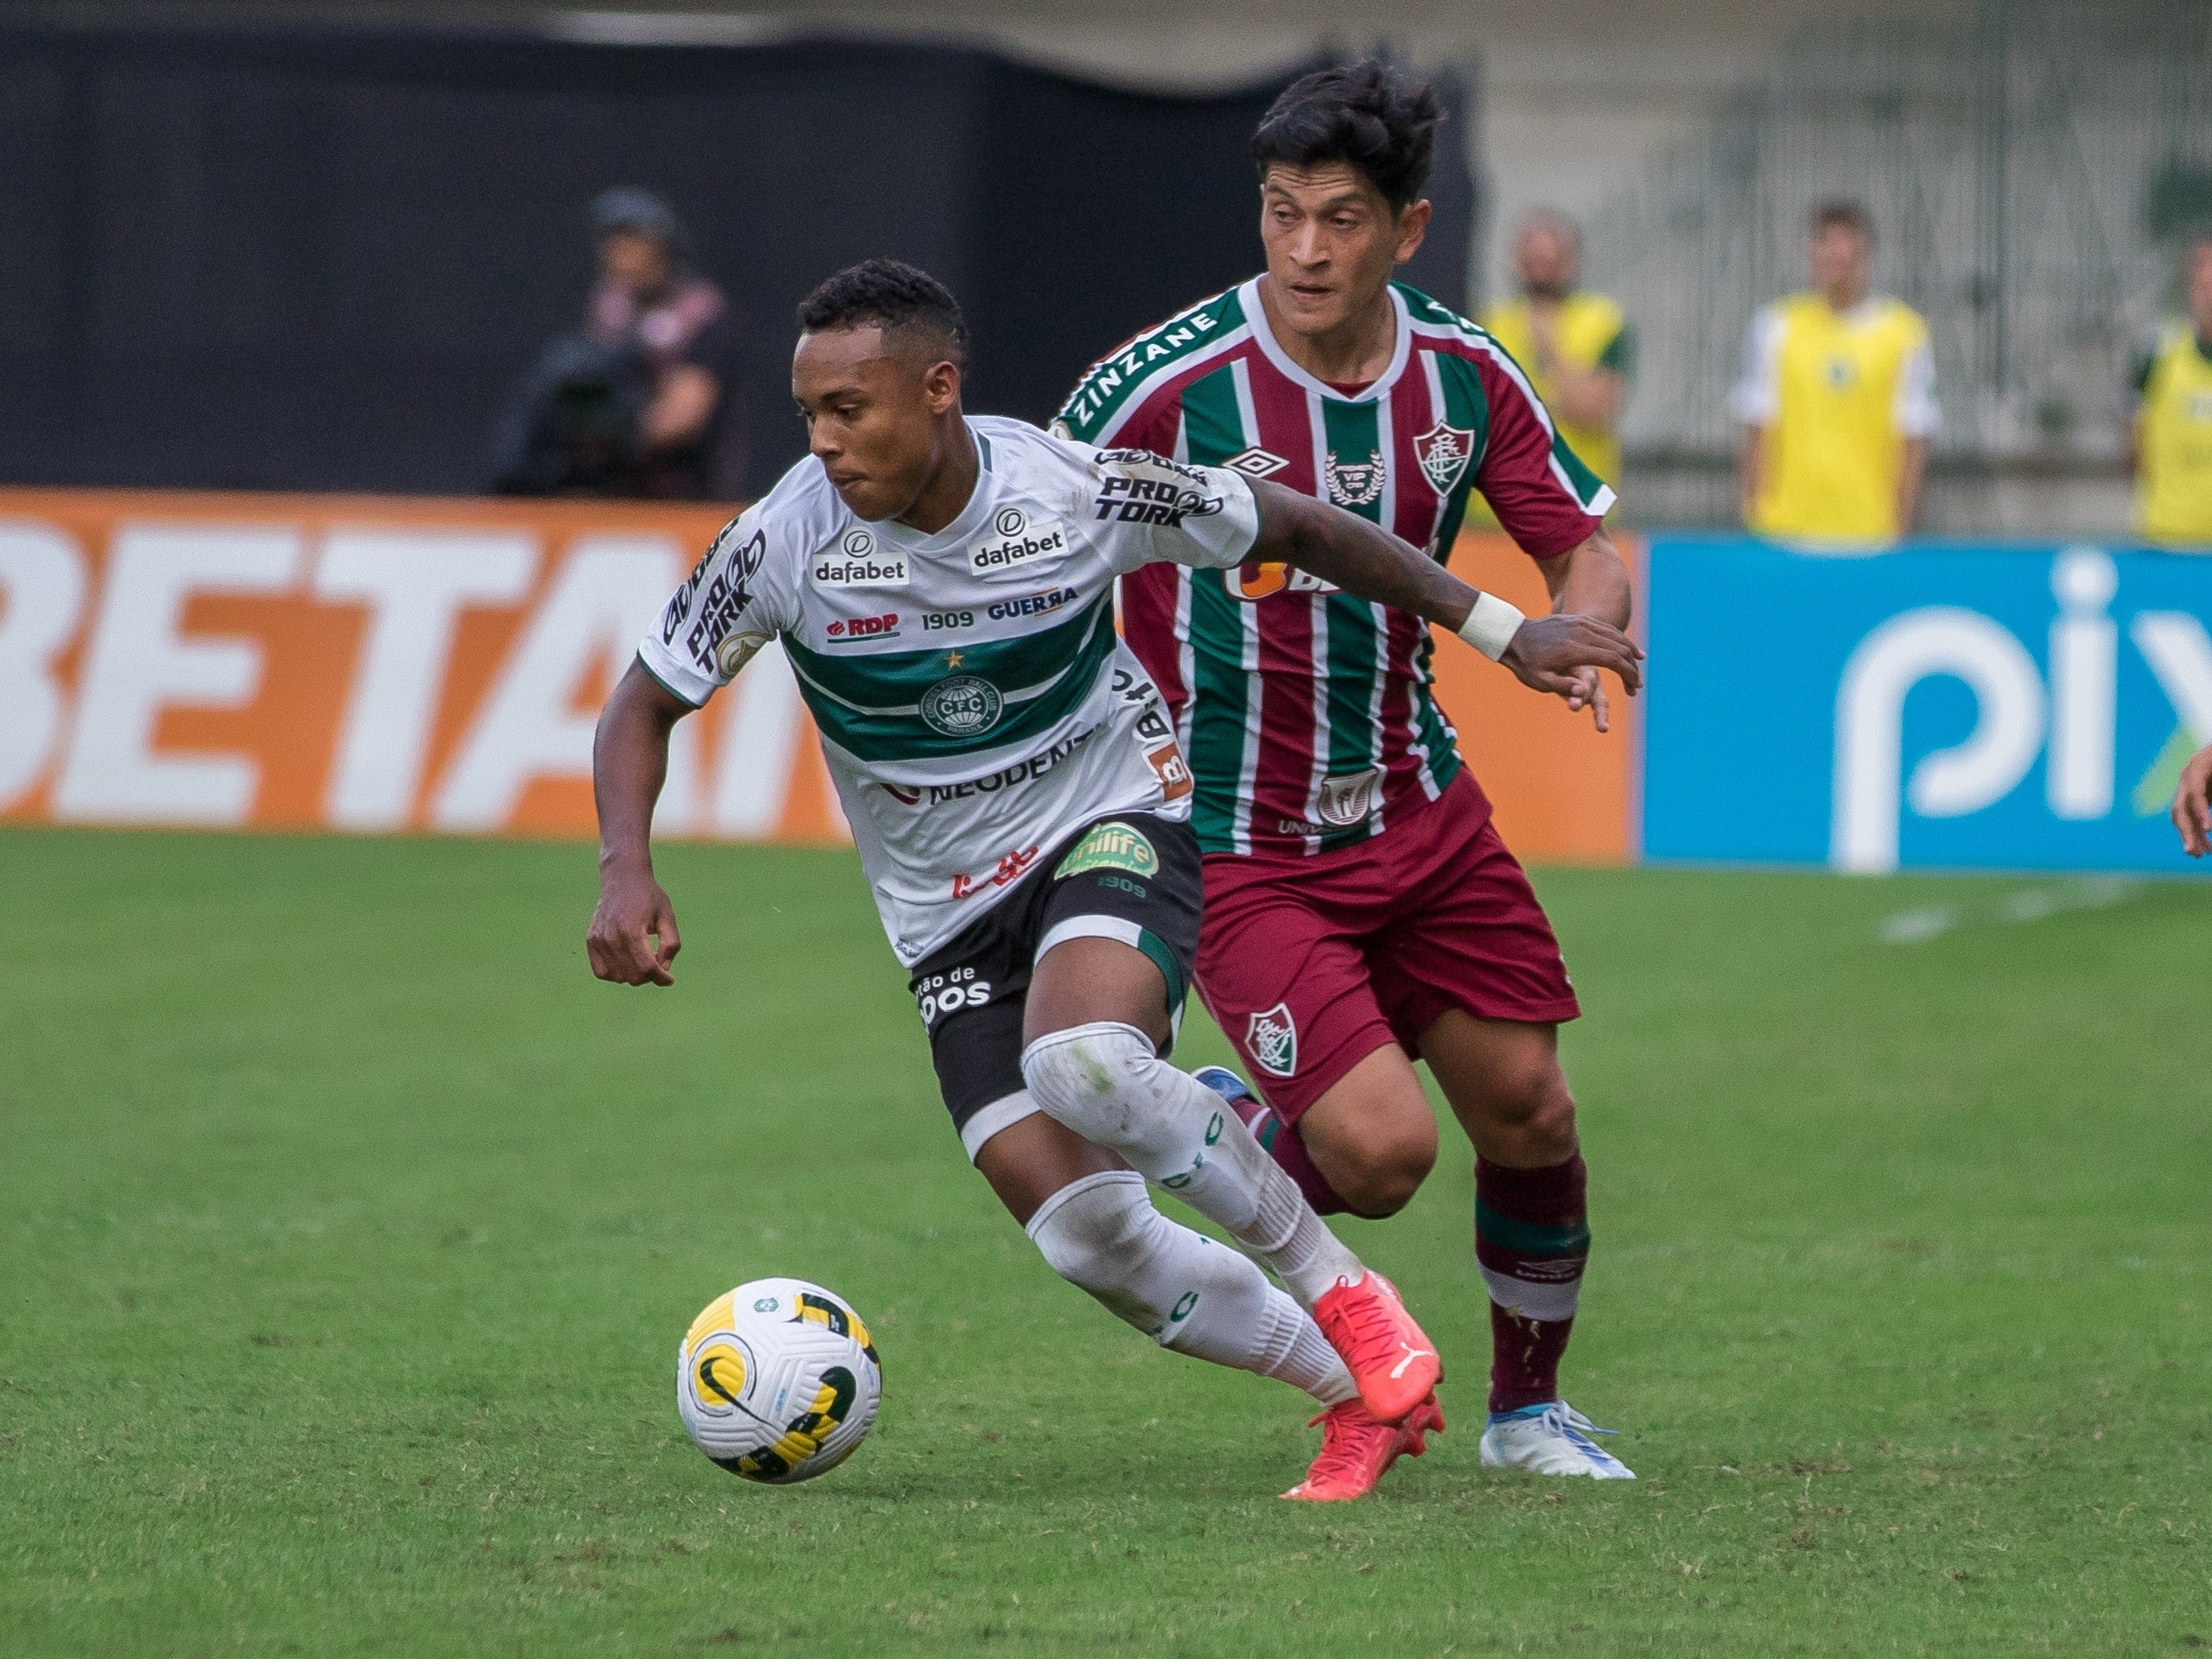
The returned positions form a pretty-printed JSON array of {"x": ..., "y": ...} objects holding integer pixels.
[{"x": 778, "y": 1381}]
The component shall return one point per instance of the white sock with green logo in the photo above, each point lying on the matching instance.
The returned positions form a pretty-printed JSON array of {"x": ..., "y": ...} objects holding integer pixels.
[
  {"x": 1179, "y": 1288},
  {"x": 1104, "y": 1081}
]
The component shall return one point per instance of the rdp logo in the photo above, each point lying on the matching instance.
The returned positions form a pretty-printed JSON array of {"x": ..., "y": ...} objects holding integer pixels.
[{"x": 866, "y": 628}]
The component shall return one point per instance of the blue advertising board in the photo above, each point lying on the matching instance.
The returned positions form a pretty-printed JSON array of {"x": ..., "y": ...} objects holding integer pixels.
[{"x": 1940, "y": 705}]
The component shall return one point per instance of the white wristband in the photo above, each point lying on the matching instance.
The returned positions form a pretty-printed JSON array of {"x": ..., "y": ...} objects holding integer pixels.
[{"x": 1490, "y": 626}]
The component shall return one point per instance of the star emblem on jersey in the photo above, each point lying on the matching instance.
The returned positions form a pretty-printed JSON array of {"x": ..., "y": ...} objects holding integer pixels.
[
  {"x": 1357, "y": 483},
  {"x": 1443, "y": 453},
  {"x": 953, "y": 659},
  {"x": 1255, "y": 464},
  {"x": 1271, "y": 1037}
]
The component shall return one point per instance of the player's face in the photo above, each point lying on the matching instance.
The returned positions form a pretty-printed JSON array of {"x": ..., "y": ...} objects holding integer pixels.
[
  {"x": 1842, "y": 260},
  {"x": 1332, "y": 242},
  {"x": 2200, "y": 286},
  {"x": 632, "y": 261},
  {"x": 1546, "y": 256},
  {"x": 874, "y": 416}
]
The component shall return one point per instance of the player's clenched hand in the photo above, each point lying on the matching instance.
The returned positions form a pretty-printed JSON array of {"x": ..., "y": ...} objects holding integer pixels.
[
  {"x": 2192, "y": 804},
  {"x": 633, "y": 914},
  {"x": 1549, "y": 653}
]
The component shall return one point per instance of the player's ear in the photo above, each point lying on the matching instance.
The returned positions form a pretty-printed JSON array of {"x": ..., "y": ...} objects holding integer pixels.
[
  {"x": 1412, "y": 228},
  {"x": 940, "y": 387}
]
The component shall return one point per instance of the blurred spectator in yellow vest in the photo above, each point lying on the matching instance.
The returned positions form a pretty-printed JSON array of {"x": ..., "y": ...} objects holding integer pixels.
[
  {"x": 1576, "y": 346},
  {"x": 1837, "y": 400},
  {"x": 2173, "y": 419}
]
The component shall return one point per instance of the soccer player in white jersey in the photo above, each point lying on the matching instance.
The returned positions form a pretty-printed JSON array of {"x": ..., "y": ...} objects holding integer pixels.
[
  {"x": 1361, "y": 910},
  {"x": 942, "y": 585}
]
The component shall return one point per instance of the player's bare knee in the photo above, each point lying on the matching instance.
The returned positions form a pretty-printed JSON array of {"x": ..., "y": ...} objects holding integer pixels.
[
  {"x": 1534, "y": 1107},
  {"x": 1388, "y": 1168}
]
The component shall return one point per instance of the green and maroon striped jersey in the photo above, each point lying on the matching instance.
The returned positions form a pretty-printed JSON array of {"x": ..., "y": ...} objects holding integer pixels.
[{"x": 1307, "y": 714}]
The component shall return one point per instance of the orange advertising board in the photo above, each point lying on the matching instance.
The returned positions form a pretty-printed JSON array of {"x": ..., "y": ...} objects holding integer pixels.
[
  {"x": 378, "y": 665},
  {"x": 361, "y": 664},
  {"x": 1564, "y": 793}
]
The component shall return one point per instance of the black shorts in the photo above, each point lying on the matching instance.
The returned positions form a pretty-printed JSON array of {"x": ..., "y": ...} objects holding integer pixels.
[{"x": 1130, "y": 876}]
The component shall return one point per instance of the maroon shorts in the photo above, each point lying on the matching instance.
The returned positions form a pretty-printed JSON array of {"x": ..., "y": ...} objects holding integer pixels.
[{"x": 1311, "y": 964}]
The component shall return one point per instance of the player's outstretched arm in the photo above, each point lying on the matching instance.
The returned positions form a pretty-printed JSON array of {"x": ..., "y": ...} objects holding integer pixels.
[
  {"x": 2192, "y": 804},
  {"x": 629, "y": 761},
  {"x": 1544, "y": 653}
]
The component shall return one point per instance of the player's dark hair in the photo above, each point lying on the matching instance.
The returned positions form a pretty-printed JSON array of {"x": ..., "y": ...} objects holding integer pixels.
[
  {"x": 1842, "y": 213},
  {"x": 896, "y": 298},
  {"x": 1377, "y": 118}
]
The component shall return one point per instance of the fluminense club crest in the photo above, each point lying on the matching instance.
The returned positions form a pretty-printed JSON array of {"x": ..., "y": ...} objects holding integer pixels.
[
  {"x": 1357, "y": 483},
  {"x": 1271, "y": 1037},
  {"x": 1444, "y": 451}
]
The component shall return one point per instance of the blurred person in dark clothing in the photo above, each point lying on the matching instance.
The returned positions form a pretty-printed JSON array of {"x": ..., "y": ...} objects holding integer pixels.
[{"x": 640, "y": 402}]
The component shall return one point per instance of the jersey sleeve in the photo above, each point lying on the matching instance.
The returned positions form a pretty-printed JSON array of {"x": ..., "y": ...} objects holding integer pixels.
[
  {"x": 1542, "y": 494},
  {"x": 1756, "y": 398},
  {"x": 1144, "y": 509},
  {"x": 727, "y": 610},
  {"x": 1916, "y": 414}
]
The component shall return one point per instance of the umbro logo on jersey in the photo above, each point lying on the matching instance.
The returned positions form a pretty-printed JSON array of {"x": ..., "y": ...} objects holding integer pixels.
[
  {"x": 859, "y": 563},
  {"x": 1255, "y": 464},
  {"x": 1357, "y": 483},
  {"x": 1443, "y": 453}
]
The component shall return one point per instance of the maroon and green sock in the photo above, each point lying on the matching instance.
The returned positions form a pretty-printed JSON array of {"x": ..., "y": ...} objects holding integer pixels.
[{"x": 1531, "y": 1239}]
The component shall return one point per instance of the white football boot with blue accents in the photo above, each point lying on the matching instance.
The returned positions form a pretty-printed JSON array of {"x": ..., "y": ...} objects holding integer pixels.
[{"x": 1552, "y": 1438}]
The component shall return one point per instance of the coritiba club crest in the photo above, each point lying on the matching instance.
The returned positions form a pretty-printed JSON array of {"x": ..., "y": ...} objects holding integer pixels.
[
  {"x": 1271, "y": 1037},
  {"x": 1444, "y": 451},
  {"x": 1357, "y": 483}
]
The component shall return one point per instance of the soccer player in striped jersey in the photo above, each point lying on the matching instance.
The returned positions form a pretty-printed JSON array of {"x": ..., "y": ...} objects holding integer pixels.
[
  {"x": 1361, "y": 910},
  {"x": 942, "y": 587}
]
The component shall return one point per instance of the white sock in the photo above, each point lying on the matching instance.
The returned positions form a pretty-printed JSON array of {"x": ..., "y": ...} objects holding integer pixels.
[
  {"x": 1179, "y": 1288},
  {"x": 1104, "y": 1081}
]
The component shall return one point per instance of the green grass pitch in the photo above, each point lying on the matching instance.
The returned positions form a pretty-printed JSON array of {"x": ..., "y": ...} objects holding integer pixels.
[{"x": 348, "y": 1227}]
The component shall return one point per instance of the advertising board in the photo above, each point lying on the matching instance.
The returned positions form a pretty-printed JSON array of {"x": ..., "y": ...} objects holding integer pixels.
[{"x": 1937, "y": 706}]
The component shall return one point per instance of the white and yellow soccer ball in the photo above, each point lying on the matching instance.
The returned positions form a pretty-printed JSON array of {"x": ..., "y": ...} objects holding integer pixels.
[{"x": 778, "y": 1381}]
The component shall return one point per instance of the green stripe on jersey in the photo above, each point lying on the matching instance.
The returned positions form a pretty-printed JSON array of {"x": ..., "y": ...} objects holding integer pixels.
[
  {"x": 1113, "y": 380},
  {"x": 923, "y": 705},
  {"x": 1466, "y": 408},
  {"x": 1214, "y": 430}
]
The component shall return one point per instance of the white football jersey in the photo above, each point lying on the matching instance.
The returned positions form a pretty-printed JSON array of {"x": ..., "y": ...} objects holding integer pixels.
[{"x": 975, "y": 705}]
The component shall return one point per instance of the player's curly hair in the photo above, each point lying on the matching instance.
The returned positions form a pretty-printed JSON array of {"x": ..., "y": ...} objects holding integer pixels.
[
  {"x": 896, "y": 297},
  {"x": 1379, "y": 118}
]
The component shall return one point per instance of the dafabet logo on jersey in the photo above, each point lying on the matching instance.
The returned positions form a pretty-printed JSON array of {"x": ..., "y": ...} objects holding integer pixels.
[
  {"x": 1016, "y": 544},
  {"x": 857, "y": 561}
]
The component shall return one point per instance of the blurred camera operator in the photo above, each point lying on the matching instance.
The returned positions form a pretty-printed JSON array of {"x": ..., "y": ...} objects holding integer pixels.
[{"x": 640, "y": 401}]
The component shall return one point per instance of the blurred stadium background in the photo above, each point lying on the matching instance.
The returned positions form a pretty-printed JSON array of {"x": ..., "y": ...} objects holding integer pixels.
[{"x": 302, "y": 247}]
